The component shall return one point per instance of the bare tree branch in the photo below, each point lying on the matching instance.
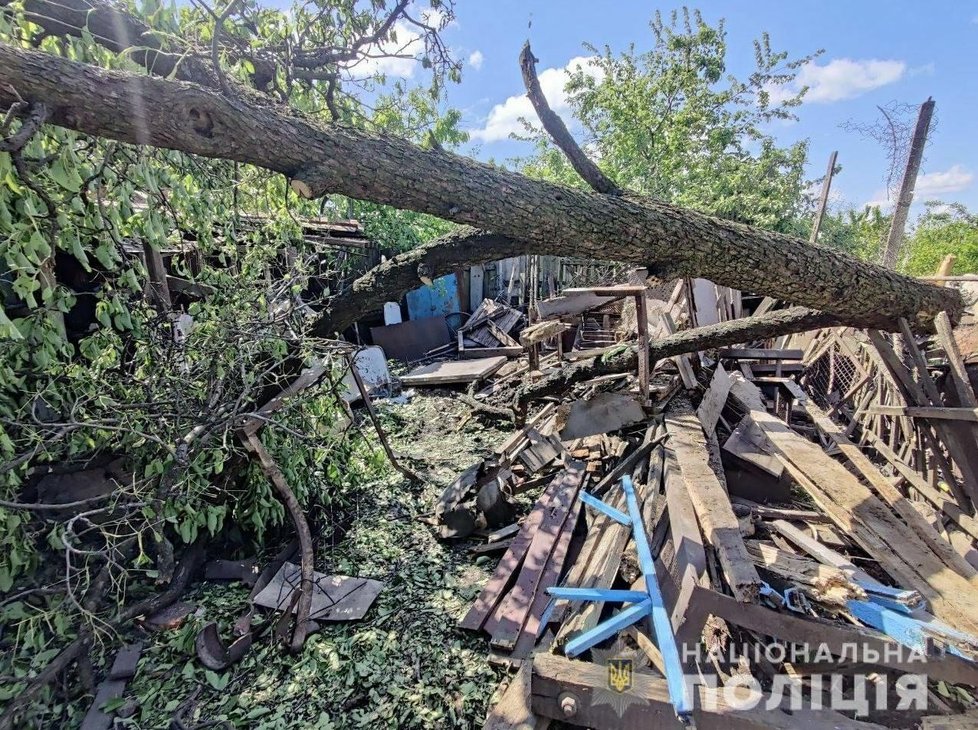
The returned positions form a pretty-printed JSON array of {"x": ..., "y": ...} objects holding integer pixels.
[{"x": 558, "y": 131}]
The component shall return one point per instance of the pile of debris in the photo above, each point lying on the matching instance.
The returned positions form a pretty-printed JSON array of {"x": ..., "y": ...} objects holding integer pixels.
[{"x": 719, "y": 521}]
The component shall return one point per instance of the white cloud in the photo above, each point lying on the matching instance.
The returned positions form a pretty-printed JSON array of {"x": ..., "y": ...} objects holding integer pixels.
[
  {"x": 952, "y": 180},
  {"x": 475, "y": 59},
  {"x": 839, "y": 79},
  {"x": 930, "y": 185},
  {"x": 927, "y": 69},
  {"x": 397, "y": 58},
  {"x": 504, "y": 119}
]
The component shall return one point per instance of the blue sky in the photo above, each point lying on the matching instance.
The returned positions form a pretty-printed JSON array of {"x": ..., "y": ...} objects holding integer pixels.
[{"x": 875, "y": 52}]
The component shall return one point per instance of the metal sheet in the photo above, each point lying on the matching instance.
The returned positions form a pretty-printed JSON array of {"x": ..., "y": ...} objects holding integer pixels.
[
  {"x": 438, "y": 298},
  {"x": 334, "y": 597},
  {"x": 409, "y": 341}
]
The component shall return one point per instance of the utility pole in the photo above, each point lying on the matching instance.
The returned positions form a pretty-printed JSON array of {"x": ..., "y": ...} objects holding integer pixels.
[
  {"x": 826, "y": 184},
  {"x": 891, "y": 254}
]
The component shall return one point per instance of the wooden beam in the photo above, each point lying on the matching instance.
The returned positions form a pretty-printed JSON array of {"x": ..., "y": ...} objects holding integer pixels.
[
  {"x": 714, "y": 399},
  {"x": 513, "y": 711},
  {"x": 572, "y": 692},
  {"x": 959, "y": 375},
  {"x": 754, "y": 353},
  {"x": 937, "y": 412},
  {"x": 711, "y": 502},
  {"x": 838, "y": 639}
]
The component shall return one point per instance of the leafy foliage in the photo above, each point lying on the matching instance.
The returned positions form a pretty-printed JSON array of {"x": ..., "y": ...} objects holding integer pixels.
[
  {"x": 943, "y": 229},
  {"x": 95, "y": 369},
  {"x": 672, "y": 124}
]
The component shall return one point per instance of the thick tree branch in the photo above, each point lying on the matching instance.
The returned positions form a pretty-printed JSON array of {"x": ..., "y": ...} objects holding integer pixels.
[
  {"x": 772, "y": 324},
  {"x": 550, "y": 218},
  {"x": 388, "y": 281},
  {"x": 117, "y": 30},
  {"x": 558, "y": 131}
]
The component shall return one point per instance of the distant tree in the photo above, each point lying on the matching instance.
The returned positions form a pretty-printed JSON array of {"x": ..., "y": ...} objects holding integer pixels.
[
  {"x": 860, "y": 233},
  {"x": 672, "y": 124},
  {"x": 944, "y": 228}
]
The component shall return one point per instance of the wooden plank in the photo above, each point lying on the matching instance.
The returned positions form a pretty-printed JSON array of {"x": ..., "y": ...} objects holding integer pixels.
[
  {"x": 865, "y": 518},
  {"x": 683, "y": 526},
  {"x": 891, "y": 495},
  {"x": 820, "y": 552},
  {"x": 945, "y": 504},
  {"x": 756, "y": 353},
  {"x": 642, "y": 325},
  {"x": 746, "y": 442},
  {"x": 790, "y": 386},
  {"x": 618, "y": 290},
  {"x": 471, "y": 353},
  {"x": 453, "y": 371},
  {"x": 767, "y": 368},
  {"x": 599, "y": 567},
  {"x": 551, "y": 576},
  {"x": 713, "y": 510},
  {"x": 714, "y": 399},
  {"x": 506, "y": 624},
  {"x": 940, "y": 413},
  {"x": 682, "y": 361},
  {"x": 158, "y": 284},
  {"x": 570, "y": 305},
  {"x": 495, "y": 588},
  {"x": 571, "y": 691},
  {"x": 513, "y": 711},
  {"x": 959, "y": 375},
  {"x": 840, "y": 640}
]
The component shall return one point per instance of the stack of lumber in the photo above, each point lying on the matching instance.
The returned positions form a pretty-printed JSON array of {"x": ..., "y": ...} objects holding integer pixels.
[
  {"x": 779, "y": 513},
  {"x": 489, "y": 332}
]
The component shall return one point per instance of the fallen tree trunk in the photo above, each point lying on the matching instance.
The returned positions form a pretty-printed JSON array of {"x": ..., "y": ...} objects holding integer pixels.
[
  {"x": 771, "y": 324},
  {"x": 550, "y": 218}
]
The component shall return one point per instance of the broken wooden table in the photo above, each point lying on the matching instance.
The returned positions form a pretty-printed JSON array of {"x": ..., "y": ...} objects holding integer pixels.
[{"x": 641, "y": 324}]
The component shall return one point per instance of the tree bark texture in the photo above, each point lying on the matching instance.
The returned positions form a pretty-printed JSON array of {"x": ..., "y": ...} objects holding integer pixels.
[
  {"x": 550, "y": 218},
  {"x": 558, "y": 131},
  {"x": 722, "y": 334}
]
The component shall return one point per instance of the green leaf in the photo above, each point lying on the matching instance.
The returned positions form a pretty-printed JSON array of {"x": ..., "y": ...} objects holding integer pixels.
[{"x": 215, "y": 680}]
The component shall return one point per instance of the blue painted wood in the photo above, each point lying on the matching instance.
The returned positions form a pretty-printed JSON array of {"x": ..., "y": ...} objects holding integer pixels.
[
  {"x": 918, "y": 631},
  {"x": 607, "y": 595},
  {"x": 439, "y": 298},
  {"x": 664, "y": 637},
  {"x": 605, "y": 509},
  {"x": 649, "y": 603},
  {"x": 609, "y": 627}
]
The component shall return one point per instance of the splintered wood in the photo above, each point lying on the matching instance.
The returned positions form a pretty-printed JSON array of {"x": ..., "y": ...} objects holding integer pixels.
[
  {"x": 837, "y": 513},
  {"x": 865, "y": 518},
  {"x": 713, "y": 510}
]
